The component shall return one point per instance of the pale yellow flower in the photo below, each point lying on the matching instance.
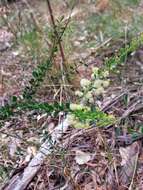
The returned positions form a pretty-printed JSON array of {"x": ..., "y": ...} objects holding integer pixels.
[
  {"x": 98, "y": 83},
  {"x": 80, "y": 125},
  {"x": 71, "y": 119},
  {"x": 112, "y": 117},
  {"x": 95, "y": 70},
  {"x": 92, "y": 76},
  {"x": 88, "y": 95},
  {"x": 78, "y": 93},
  {"x": 106, "y": 83},
  {"x": 74, "y": 107},
  {"x": 91, "y": 100},
  {"x": 85, "y": 82},
  {"x": 99, "y": 91},
  {"x": 105, "y": 73},
  {"x": 87, "y": 108}
]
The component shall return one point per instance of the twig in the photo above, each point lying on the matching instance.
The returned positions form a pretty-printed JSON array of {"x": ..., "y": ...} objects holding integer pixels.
[
  {"x": 112, "y": 102},
  {"x": 62, "y": 63},
  {"x": 134, "y": 107},
  {"x": 135, "y": 168},
  {"x": 55, "y": 31},
  {"x": 21, "y": 181}
]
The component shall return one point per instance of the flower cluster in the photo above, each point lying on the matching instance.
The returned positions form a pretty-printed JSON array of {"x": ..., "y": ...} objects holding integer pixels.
[
  {"x": 72, "y": 120},
  {"x": 90, "y": 91},
  {"x": 95, "y": 87},
  {"x": 74, "y": 107},
  {"x": 82, "y": 116}
]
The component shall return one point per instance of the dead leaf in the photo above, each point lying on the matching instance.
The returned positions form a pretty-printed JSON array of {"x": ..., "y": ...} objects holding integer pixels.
[
  {"x": 82, "y": 157},
  {"x": 129, "y": 157}
]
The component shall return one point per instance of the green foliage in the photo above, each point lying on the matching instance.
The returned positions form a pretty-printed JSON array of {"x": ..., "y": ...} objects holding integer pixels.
[
  {"x": 30, "y": 39},
  {"x": 37, "y": 77},
  {"x": 67, "y": 36},
  {"x": 129, "y": 2},
  {"x": 99, "y": 118},
  {"x": 18, "y": 106},
  {"x": 3, "y": 173},
  {"x": 113, "y": 21},
  {"x": 106, "y": 23},
  {"x": 121, "y": 56},
  {"x": 91, "y": 90},
  {"x": 5, "y": 111}
]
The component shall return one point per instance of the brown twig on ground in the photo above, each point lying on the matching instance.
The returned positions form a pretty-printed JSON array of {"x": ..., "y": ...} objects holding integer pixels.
[
  {"x": 113, "y": 102},
  {"x": 134, "y": 107},
  {"x": 21, "y": 181}
]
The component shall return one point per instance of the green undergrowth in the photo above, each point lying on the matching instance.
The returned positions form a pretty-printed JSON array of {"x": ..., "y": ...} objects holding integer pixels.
[
  {"x": 27, "y": 103},
  {"x": 128, "y": 2},
  {"x": 17, "y": 106},
  {"x": 99, "y": 118},
  {"x": 121, "y": 56},
  {"x": 118, "y": 19},
  {"x": 94, "y": 117}
]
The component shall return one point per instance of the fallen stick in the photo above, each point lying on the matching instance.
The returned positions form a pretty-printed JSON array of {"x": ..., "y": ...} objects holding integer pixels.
[
  {"x": 21, "y": 181},
  {"x": 134, "y": 107},
  {"x": 113, "y": 102}
]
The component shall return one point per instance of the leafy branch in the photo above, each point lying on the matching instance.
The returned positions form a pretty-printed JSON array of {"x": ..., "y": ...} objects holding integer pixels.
[{"x": 120, "y": 57}]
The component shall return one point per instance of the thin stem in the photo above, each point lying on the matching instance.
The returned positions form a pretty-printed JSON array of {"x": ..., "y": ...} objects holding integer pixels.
[{"x": 55, "y": 31}]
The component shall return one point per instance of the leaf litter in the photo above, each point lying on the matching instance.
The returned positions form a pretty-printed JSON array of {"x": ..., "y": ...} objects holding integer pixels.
[{"x": 95, "y": 158}]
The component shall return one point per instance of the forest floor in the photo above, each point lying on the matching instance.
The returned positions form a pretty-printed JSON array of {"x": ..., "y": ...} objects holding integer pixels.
[{"x": 107, "y": 158}]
